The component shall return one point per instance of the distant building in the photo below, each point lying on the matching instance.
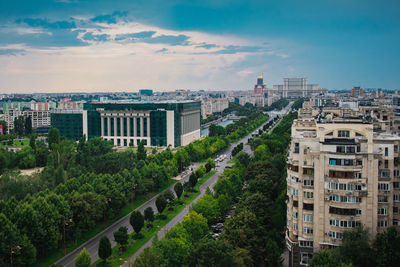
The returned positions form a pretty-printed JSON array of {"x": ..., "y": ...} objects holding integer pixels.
[
  {"x": 147, "y": 92},
  {"x": 356, "y": 92},
  {"x": 210, "y": 106},
  {"x": 260, "y": 86},
  {"x": 175, "y": 123},
  {"x": 297, "y": 87}
]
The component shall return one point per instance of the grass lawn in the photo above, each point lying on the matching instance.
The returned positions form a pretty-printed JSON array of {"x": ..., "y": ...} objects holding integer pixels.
[
  {"x": 58, "y": 254},
  {"x": 117, "y": 259},
  {"x": 16, "y": 144}
]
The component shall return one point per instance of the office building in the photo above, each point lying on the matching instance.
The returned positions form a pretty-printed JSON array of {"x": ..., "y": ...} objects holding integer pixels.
[
  {"x": 356, "y": 92},
  {"x": 342, "y": 171},
  {"x": 174, "y": 123}
]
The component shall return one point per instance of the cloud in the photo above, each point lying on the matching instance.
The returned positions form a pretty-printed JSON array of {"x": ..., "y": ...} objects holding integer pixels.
[
  {"x": 136, "y": 35},
  {"x": 172, "y": 40},
  {"x": 11, "y": 51},
  {"x": 89, "y": 36},
  {"x": 234, "y": 49},
  {"x": 110, "y": 18},
  {"x": 44, "y": 23},
  {"x": 206, "y": 46}
]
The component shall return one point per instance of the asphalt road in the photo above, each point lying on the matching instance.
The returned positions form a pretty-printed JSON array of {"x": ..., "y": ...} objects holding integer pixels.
[{"x": 92, "y": 244}]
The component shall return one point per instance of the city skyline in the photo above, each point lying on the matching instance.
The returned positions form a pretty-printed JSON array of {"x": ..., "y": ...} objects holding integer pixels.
[{"x": 92, "y": 46}]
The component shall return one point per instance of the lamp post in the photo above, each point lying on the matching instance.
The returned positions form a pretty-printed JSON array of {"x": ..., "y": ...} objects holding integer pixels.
[
  {"x": 12, "y": 251},
  {"x": 66, "y": 221}
]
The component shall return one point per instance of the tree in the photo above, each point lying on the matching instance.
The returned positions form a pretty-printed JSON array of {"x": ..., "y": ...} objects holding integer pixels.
[
  {"x": 19, "y": 125},
  {"x": 195, "y": 225},
  {"x": 323, "y": 258},
  {"x": 201, "y": 170},
  {"x": 141, "y": 151},
  {"x": 161, "y": 203},
  {"x": 178, "y": 188},
  {"x": 356, "y": 248},
  {"x": 83, "y": 259},
  {"x": 243, "y": 158},
  {"x": 208, "y": 252},
  {"x": 104, "y": 248},
  {"x": 121, "y": 236},
  {"x": 137, "y": 221},
  {"x": 147, "y": 259},
  {"x": 32, "y": 141},
  {"x": 169, "y": 196},
  {"x": 53, "y": 137},
  {"x": 28, "y": 125},
  {"x": 210, "y": 164},
  {"x": 149, "y": 214},
  {"x": 208, "y": 207},
  {"x": 387, "y": 247},
  {"x": 193, "y": 180}
]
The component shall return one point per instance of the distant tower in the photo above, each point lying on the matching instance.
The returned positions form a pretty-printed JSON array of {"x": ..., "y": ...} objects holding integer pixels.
[{"x": 260, "y": 86}]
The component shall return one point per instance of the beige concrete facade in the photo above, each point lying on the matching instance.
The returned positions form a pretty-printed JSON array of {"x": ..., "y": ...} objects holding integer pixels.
[{"x": 340, "y": 174}]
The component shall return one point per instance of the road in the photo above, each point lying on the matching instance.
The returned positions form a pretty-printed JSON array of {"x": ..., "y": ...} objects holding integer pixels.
[
  {"x": 92, "y": 244},
  {"x": 209, "y": 183}
]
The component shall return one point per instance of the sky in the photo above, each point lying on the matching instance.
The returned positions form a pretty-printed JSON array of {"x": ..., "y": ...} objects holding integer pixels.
[{"x": 126, "y": 45}]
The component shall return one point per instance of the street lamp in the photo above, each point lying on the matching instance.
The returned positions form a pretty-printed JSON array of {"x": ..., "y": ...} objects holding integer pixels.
[
  {"x": 66, "y": 221},
  {"x": 12, "y": 251}
]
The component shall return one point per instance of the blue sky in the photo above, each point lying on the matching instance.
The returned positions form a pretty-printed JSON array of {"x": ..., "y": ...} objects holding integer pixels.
[{"x": 85, "y": 45}]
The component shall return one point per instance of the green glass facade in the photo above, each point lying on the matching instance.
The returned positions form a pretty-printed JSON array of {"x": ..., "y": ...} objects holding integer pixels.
[
  {"x": 72, "y": 128},
  {"x": 69, "y": 125}
]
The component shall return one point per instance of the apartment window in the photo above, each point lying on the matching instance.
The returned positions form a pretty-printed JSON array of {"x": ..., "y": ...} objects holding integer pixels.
[
  {"x": 308, "y": 218},
  {"x": 384, "y": 186},
  {"x": 395, "y": 210},
  {"x": 382, "y": 199},
  {"x": 396, "y": 148},
  {"x": 343, "y": 133},
  {"x": 344, "y": 199},
  {"x": 396, "y": 222},
  {"x": 336, "y": 235},
  {"x": 341, "y": 149},
  {"x": 382, "y": 224},
  {"x": 308, "y": 206},
  {"x": 306, "y": 244},
  {"x": 396, "y": 198},
  {"x": 308, "y": 183},
  {"x": 295, "y": 215},
  {"x": 295, "y": 227},
  {"x": 386, "y": 164},
  {"x": 305, "y": 258},
  {"x": 386, "y": 151},
  {"x": 308, "y": 195},
  {"x": 382, "y": 211},
  {"x": 296, "y": 148},
  {"x": 295, "y": 192},
  {"x": 396, "y": 185},
  {"x": 396, "y": 173},
  {"x": 359, "y": 163},
  {"x": 307, "y": 230}
]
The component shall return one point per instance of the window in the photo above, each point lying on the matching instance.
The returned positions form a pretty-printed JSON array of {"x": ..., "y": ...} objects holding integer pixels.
[
  {"x": 336, "y": 235},
  {"x": 382, "y": 199},
  {"x": 344, "y": 199},
  {"x": 306, "y": 244},
  {"x": 396, "y": 198},
  {"x": 383, "y": 186},
  {"x": 396, "y": 173},
  {"x": 308, "y": 183},
  {"x": 295, "y": 227},
  {"x": 395, "y": 209},
  {"x": 386, "y": 164},
  {"x": 308, "y": 218},
  {"x": 308, "y": 195},
  {"x": 295, "y": 192},
  {"x": 359, "y": 163},
  {"x": 396, "y": 185},
  {"x": 386, "y": 151},
  {"x": 396, "y": 148},
  {"x": 305, "y": 258},
  {"x": 296, "y": 148},
  {"x": 343, "y": 133},
  {"x": 382, "y": 224},
  {"x": 382, "y": 211},
  {"x": 295, "y": 215},
  {"x": 341, "y": 149},
  {"x": 307, "y": 230}
]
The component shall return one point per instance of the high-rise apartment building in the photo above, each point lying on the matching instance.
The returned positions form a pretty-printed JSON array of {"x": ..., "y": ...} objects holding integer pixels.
[
  {"x": 341, "y": 173},
  {"x": 356, "y": 91}
]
